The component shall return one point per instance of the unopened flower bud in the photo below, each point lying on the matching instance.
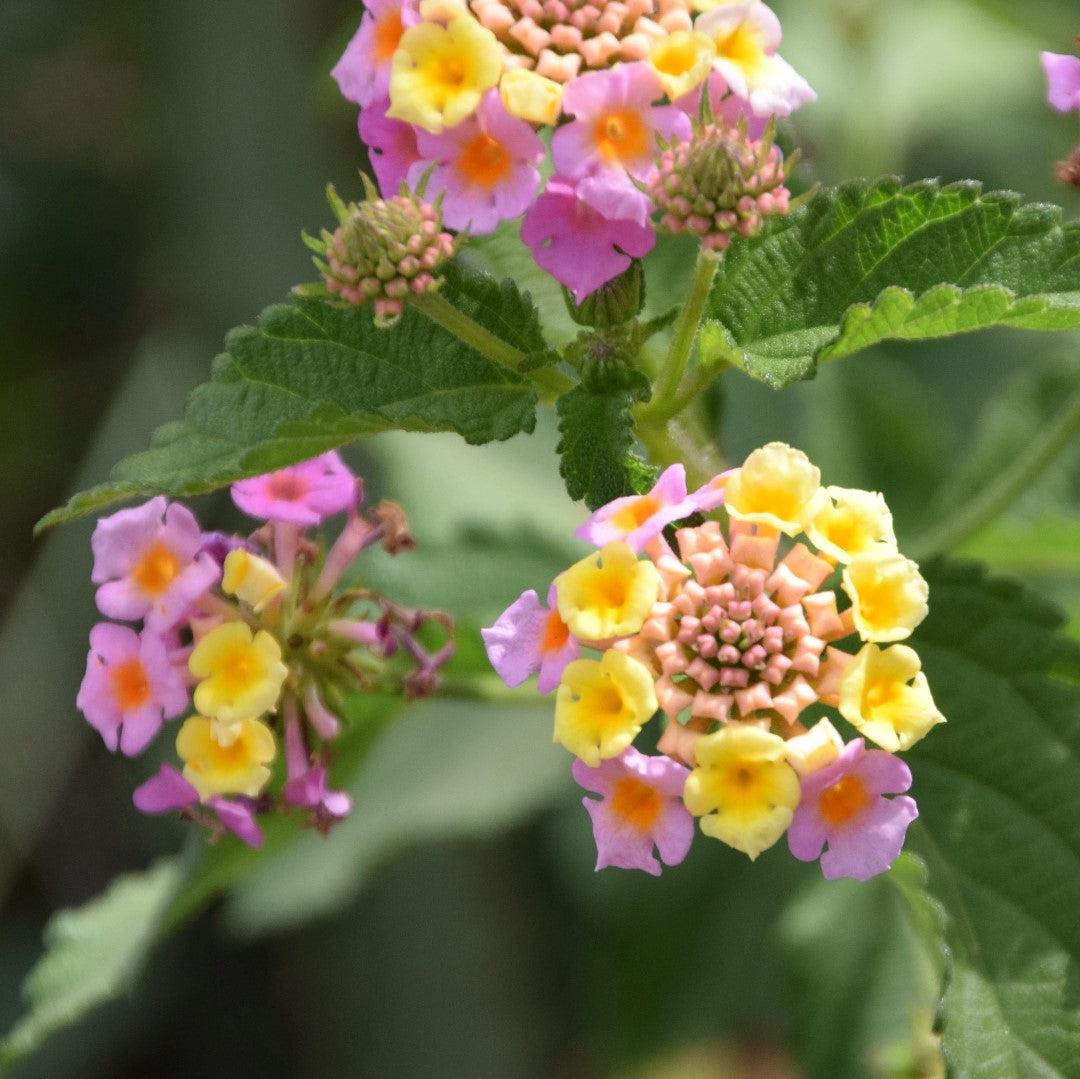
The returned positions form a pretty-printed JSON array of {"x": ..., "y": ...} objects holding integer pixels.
[{"x": 251, "y": 579}]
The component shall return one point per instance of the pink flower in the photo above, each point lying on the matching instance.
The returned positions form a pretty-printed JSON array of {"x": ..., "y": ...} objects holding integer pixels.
[
  {"x": 711, "y": 495},
  {"x": 529, "y": 638},
  {"x": 363, "y": 72},
  {"x": 842, "y": 805},
  {"x": 638, "y": 518},
  {"x": 148, "y": 564},
  {"x": 578, "y": 246},
  {"x": 305, "y": 784},
  {"x": 485, "y": 166},
  {"x": 170, "y": 792},
  {"x": 613, "y": 137},
  {"x": 130, "y": 688},
  {"x": 303, "y": 494},
  {"x": 391, "y": 146},
  {"x": 1062, "y": 80},
  {"x": 640, "y": 808}
]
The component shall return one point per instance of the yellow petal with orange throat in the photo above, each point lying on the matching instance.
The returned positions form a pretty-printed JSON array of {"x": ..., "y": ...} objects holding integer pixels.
[
  {"x": 777, "y": 486},
  {"x": 888, "y": 595},
  {"x": 602, "y": 705},
  {"x": 682, "y": 61},
  {"x": 743, "y": 788},
  {"x": 241, "y": 675},
  {"x": 608, "y": 594},
  {"x": 851, "y": 522},
  {"x": 885, "y": 696},
  {"x": 239, "y": 767}
]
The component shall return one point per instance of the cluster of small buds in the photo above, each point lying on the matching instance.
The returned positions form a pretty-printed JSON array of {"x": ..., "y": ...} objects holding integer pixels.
[
  {"x": 1063, "y": 94},
  {"x": 459, "y": 94},
  {"x": 720, "y": 183},
  {"x": 736, "y": 638},
  {"x": 257, "y": 637},
  {"x": 383, "y": 250}
]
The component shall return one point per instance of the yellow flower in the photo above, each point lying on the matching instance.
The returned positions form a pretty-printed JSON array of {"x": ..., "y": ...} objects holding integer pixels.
[
  {"x": 682, "y": 60},
  {"x": 608, "y": 594},
  {"x": 888, "y": 595},
  {"x": 530, "y": 96},
  {"x": 851, "y": 522},
  {"x": 440, "y": 73},
  {"x": 743, "y": 788},
  {"x": 251, "y": 578},
  {"x": 885, "y": 696},
  {"x": 236, "y": 768},
  {"x": 241, "y": 675},
  {"x": 819, "y": 746},
  {"x": 776, "y": 486},
  {"x": 601, "y": 706}
]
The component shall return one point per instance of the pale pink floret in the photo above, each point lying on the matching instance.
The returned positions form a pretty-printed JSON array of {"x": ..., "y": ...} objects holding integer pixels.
[
  {"x": 1062, "y": 80},
  {"x": 606, "y": 102},
  {"x": 474, "y": 197},
  {"x": 636, "y": 519},
  {"x": 169, "y": 792},
  {"x": 871, "y": 838},
  {"x": 640, "y": 809},
  {"x": 578, "y": 246},
  {"x": 130, "y": 688},
  {"x": 391, "y": 146},
  {"x": 148, "y": 563},
  {"x": 710, "y": 496},
  {"x": 305, "y": 784},
  {"x": 529, "y": 639},
  {"x": 363, "y": 72},
  {"x": 304, "y": 494}
]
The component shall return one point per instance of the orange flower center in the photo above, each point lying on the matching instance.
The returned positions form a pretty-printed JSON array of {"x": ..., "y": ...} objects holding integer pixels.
[
  {"x": 621, "y": 135},
  {"x": 287, "y": 487},
  {"x": 637, "y": 803},
  {"x": 156, "y": 570},
  {"x": 637, "y": 513},
  {"x": 484, "y": 161},
  {"x": 448, "y": 72},
  {"x": 843, "y": 801},
  {"x": 129, "y": 684},
  {"x": 556, "y": 634},
  {"x": 388, "y": 31},
  {"x": 237, "y": 670}
]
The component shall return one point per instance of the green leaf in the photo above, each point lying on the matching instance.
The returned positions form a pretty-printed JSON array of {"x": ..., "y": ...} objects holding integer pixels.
[
  {"x": 311, "y": 376},
  {"x": 874, "y": 261},
  {"x": 596, "y": 432},
  {"x": 93, "y": 955},
  {"x": 998, "y": 789}
]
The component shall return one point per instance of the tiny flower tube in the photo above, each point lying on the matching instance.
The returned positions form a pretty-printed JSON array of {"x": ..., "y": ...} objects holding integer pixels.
[
  {"x": 326, "y": 724},
  {"x": 241, "y": 674},
  {"x": 252, "y": 579},
  {"x": 743, "y": 788},
  {"x": 239, "y": 767},
  {"x": 575, "y": 243},
  {"x": 305, "y": 783},
  {"x": 149, "y": 564},
  {"x": 484, "y": 168},
  {"x": 1062, "y": 81},
  {"x": 636, "y": 519},
  {"x": 640, "y": 809},
  {"x": 440, "y": 73},
  {"x": 851, "y": 522},
  {"x": 608, "y": 593},
  {"x": 843, "y": 806},
  {"x": 602, "y": 705},
  {"x": 529, "y": 638},
  {"x": 885, "y": 696},
  {"x": 888, "y": 595},
  {"x": 776, "y": 486},
  {"x": 304, "y": 494},
  {"x": 130, "y": 687}
]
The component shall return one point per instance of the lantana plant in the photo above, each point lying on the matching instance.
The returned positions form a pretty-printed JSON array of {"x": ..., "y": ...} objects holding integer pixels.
[{"x": 598, "y": 207}]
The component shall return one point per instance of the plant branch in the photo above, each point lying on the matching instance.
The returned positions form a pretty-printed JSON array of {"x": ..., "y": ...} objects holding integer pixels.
[
  {"x": 1006, "y": 488},
  {"x": 438, "y": 309}
]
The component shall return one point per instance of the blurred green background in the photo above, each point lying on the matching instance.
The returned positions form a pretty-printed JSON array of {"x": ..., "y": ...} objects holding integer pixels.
[{"x": 157, "y": 161}]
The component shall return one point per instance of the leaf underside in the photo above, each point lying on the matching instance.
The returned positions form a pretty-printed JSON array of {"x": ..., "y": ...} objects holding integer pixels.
[
  {"x": 874, "y": 261},
  {"x": 596, "y": 432},
  {"x": 312, "y": 375}
]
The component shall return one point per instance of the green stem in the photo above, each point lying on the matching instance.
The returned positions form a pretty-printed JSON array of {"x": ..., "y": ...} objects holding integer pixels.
[
  {"x": 435, "y": 306},
  {"x": 1006, "y": 488},
  {"x": 484, "y": 688},
  {"x": 671, "y": 441},
  {"x": 682, "y": 341}
]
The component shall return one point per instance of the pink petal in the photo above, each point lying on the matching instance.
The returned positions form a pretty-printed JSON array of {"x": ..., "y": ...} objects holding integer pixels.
[
  {"x": 165, "y": 792},
  {"x": 1062, "y": 80}
]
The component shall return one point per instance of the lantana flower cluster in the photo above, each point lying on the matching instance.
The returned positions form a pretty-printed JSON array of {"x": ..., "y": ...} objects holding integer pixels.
[
  {"x": 478, "y": 102},
  {"x": 248, "y": 645},
  {"x": 775, "y": 601}
]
